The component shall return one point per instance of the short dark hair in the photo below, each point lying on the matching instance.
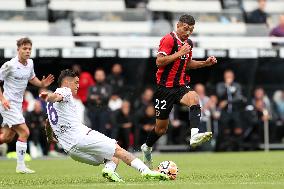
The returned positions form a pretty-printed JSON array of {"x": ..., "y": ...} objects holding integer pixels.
[
  {"x": 24, "y": 40},
  {"x": 66, "y": 73},
  {"x": 188, "y": 19}
]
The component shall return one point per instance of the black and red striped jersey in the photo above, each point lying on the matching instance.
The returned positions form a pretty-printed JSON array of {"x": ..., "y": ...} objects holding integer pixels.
[{"x": 173, "y": 74}]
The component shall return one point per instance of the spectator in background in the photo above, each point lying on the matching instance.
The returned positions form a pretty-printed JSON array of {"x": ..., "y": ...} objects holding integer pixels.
[
  {"x": 215, "y": 115},
  {"x": 97, "y": 103},
  {"x": 213, "y": 107},
  {"x": 115, "y": 102},
  {"x": 141, "y": 103},
  {"x": 253, "y": 119},
  {"x": 229, "y": 93},
  {"x": 122, "y": 124},
  {"x": 259, "y": 16},
  {"x": 37, "y": 140},
  {"x": 177, "y": 127},
  {"x": 146, "y": 123},
  {"x": 278, "y": 31},
  {"x": 262, "y": 116},
  {"x": 259, "y": 94},
  {"x": 204, "y": 104},
  {"x": 116, "y": 79},
  {"x": 278, "y": 99},
  {"x": 43, "y": 103},
  {"x": 85, "y": 81}
]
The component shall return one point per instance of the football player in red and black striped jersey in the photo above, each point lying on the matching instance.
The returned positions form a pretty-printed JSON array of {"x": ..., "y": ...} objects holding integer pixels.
[{"x": 173, "y": 58}]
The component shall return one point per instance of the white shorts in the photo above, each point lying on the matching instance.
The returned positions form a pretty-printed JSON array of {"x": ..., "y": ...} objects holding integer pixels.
[
  {"x": 13, "y": 116},
  {"x": 93, "y": 149}
]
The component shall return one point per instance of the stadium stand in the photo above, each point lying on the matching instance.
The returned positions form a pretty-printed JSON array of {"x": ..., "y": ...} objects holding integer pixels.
[
  {"x": 185, "y": 6},
  {"x": 87, "y": 5}
]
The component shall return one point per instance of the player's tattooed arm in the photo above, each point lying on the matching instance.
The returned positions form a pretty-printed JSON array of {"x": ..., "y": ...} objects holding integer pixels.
[
  {"x": 49, "y": 133},
  {"x": 51, "y": 97}
]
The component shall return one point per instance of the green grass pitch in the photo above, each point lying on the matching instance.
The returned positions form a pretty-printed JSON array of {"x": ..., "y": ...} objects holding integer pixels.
[{"x": 241, "y": 170}]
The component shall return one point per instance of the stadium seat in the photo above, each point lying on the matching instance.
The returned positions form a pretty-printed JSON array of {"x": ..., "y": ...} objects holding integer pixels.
[
  {"x": 233, "y": 42},
  {"x": 127, "y": 15},
  {"x": 205, "y": 6},
  {"x": 257, "y": 30},
  {"x": 38, "y": 41},
  {"x": 13, "y": 5},
  {"x": 23, "y": 27},
  {"x": 87, "y": 5},
  {"x": 120, "y": 27},
  {"x": 161, "y": 27}
]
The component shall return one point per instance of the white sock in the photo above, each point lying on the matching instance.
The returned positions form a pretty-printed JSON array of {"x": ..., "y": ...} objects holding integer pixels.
[
  {"x": 110, "y": 165},
  {"x": 140, "y": 166},
  {"x": 148, "y": 148},
  {"x": 21, "y": 148},
  {"x": 194, "y": 131}
]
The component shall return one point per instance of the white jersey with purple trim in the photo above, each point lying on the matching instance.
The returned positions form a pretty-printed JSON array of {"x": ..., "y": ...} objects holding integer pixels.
[
  {"x": 16, "y": 76},
  {"x": 65, "y": 121}
]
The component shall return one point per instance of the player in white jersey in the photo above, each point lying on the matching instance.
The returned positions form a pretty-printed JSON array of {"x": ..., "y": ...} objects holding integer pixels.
[
  {"x": 16, "y": 74},
  {"x": 80, "y": 142}
]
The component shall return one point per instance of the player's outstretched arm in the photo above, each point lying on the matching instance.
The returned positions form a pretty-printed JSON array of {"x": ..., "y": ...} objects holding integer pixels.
[
  {"x": 194, "y": 64},
  {"x": 45, "y": 82},
  {"x": 49, "y": 133},
  {"x": 50, "y": 97}
]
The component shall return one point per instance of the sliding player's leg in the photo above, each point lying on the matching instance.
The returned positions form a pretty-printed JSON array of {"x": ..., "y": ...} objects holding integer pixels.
[{"x": 136, "y": 163}]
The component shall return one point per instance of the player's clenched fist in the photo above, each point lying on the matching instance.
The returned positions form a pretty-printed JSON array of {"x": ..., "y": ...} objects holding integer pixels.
[
  {"x": 211, "y": 60},
  {"x": 185, "y": 49}
]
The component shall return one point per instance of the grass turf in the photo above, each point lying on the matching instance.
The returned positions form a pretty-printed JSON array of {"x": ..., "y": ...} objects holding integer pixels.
[{"x": 254, "y": 170}]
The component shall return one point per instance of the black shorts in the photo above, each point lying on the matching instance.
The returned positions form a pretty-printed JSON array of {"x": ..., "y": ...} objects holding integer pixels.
[{"x": 165, "y": 98}]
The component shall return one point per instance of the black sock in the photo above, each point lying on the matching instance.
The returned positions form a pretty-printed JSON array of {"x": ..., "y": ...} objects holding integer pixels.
[
  {"x": 152, "y": 138},
  {"x": 195, "y": 114}
]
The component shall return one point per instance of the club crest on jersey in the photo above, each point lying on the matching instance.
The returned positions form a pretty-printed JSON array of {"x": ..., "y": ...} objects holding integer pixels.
[
  {"x": 184, "y": 57},
  {"x": 157, "y": 112}
]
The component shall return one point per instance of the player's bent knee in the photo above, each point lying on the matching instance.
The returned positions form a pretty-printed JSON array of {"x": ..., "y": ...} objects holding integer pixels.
[
  {"x": 118, "y": 151},
  {"x": 25, "y": 134},
  {"x": 190, "y": 98}
]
